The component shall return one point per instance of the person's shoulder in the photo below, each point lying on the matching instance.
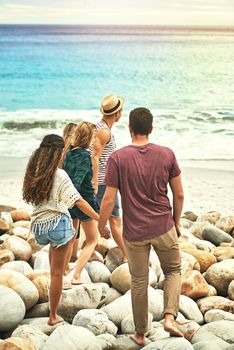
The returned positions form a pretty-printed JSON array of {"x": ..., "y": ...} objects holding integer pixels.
[
  {"x": 103, "y": 134},
  {"x": 61, "y": 175},
  {"x": 162, "y": 149}
]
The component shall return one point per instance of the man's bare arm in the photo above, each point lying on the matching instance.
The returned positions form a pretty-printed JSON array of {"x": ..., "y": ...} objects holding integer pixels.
[
  {"x": 101, "y": 139},
  {"x": 178, "y": 200}
]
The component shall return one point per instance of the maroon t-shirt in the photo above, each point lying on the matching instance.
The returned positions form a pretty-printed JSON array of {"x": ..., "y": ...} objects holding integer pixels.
[{"x": 142, "y": 173}]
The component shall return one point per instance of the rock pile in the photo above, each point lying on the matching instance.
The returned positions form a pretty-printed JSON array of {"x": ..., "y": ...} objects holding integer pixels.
[{"x": 98, "y": 315}]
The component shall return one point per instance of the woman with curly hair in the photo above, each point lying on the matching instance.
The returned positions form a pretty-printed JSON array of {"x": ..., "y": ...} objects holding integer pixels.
[{"x": 51, "y": 192}]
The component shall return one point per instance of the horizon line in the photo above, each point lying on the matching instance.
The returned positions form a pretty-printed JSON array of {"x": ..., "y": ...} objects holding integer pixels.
[{"x": 194, "y": 26}]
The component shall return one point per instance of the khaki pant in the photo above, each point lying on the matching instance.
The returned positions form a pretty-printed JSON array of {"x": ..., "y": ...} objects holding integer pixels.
[{"x": 167, "y": 248}]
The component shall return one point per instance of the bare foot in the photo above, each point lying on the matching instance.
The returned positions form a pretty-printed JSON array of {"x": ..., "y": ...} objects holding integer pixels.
[
  {"x": 54, "y": 320},
  {"x": 139, "y": 339},
  {"x": 171, "y": 327},
  {"x": 78, "y": 280}
]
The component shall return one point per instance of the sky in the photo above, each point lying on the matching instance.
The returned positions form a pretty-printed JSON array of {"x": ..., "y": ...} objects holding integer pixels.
[{"x": 157, "y": 12}]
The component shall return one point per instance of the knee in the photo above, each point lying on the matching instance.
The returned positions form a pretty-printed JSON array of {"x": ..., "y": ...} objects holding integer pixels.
[
  {"x": 172, "y": 269},
  {"x": 139, "y": 283}
]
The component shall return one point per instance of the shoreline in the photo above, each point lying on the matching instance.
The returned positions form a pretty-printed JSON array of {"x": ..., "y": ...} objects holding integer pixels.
[{"x": 205, "y": 188}]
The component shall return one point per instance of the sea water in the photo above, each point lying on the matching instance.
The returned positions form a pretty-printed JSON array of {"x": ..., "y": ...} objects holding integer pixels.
[{"x": 52, "y": 75}]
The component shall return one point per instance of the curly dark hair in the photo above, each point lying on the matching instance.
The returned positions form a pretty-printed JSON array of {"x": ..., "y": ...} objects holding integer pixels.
[{"x": 39, "y": 175}]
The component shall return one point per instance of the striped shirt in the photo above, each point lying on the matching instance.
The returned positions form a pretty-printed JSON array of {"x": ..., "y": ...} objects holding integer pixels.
[{"x": 107, "y": 151}]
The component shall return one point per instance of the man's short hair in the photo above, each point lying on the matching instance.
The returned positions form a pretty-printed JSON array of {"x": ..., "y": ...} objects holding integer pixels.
[{"x": 141, "y": 121}]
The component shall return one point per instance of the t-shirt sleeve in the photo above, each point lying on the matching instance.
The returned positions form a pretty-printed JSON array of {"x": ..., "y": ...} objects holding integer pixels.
[
  {"x": 112, "y": 173},
  {"x": 175, "y": 169},
  {"x": 68, "y": 193}
]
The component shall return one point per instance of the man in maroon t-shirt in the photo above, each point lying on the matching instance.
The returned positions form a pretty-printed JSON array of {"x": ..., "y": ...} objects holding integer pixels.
[{"x": 142, "y": 172}]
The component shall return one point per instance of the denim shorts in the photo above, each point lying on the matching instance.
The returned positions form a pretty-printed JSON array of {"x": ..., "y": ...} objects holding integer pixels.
[
  {"x": 58, "y": 236},
  {"x": 99, "y": 196},
  {"x": 76, "y": 213}
]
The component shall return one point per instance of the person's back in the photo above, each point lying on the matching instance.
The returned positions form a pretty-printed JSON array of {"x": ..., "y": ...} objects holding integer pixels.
[{"x": 144, "y": 198}]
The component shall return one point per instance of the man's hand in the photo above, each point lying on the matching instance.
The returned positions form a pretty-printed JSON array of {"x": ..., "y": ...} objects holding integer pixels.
[
  {"x": 105, "y": 232},
  {"x": 177, "y": 230}
]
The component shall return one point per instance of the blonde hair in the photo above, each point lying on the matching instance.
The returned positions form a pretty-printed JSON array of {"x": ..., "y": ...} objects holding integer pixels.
[
  {"x": 68, "y": 132},
  {"x": 83, "y": 135},
  {"x": 67, "y": 136}
]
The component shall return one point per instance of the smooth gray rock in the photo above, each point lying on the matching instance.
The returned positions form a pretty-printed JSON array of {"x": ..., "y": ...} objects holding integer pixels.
[
  {"x": 98, "y": 272},
  {"x": 128, "y": 326},
  {"x": 70, "y": 337},
  {"x": 95, "y": 320},
  {"x": 86, "y": 296},
  {"x": 218, "y": 315},
  {"x": 171, "y": 343},
  {"x": 41, "y": 323},
  {"x": 39, "y": 310},
  {"x": 41, "y": 261},
  {"x": 19, "y": 266},
  {"x": 222, "y": 329},
  {"x": 215, "y": 235},
  {"x": 12, "y": 309},
  {"x": 118, "y": 309},
  {"x": 206, "y": 345},
  {"x": 125, "y": 343},
  {"x": 111, "y": 295},
  {"x": 204, "y": 334},
  {"x": 37, "y": 337},
  {"x": 190, "y": 310},
  {"x": 106, "y": 341}
]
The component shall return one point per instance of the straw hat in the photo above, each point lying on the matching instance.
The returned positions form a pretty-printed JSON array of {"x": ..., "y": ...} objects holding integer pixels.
[{"x": 111, "y": 104}]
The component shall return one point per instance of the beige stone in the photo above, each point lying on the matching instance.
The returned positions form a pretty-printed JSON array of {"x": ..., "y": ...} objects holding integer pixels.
[
  {"x": 19, "y": 247},
  {"x": 193, "y": 285},
  {"x": 189, "y": 262},
  {"x": 5, "y": 256},
  {"x": 212, "y": 217},
  {"x": 4, "y": 226},
  {"x": 41, "y": 279},
  {"x": 215, "y": 302},
  {"x": 16, "y": 343},
  {"x": 21, "y": 285},
  {"x": 186, "y": 245},
  {"x": 103, "y": 246},
  {"x": 18, "y": 215},
  {"x": 204, "y": 258},
  {"x": 33, "y": 244},
  {"x": 121, "y": 278},
  {"x": 197, "y": 228},
  {"x": 22, "y": 223},
  {"x": 219, "y": 275},
  {"x": 223, "y": 253},
  {"x": 21, "y": 232},
  {"x": 226, "y": 223}
]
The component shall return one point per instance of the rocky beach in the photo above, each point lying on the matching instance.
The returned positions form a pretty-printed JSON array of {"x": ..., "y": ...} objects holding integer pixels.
[{"x": 98, "y": 315}]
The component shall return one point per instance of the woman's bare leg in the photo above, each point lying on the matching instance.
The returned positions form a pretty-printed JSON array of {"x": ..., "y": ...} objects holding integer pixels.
[
  {"x": 71, "y": 251},
  {"x": 57, "y": 267},
  {"x": 91, "y": 233}
]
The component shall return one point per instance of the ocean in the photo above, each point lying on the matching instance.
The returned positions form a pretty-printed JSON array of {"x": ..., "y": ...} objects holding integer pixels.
[{"x": 51, "y": 75}]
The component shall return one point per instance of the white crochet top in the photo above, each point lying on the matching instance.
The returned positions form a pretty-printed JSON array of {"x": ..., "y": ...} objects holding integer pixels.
[{"x": 46, "y": 215}]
